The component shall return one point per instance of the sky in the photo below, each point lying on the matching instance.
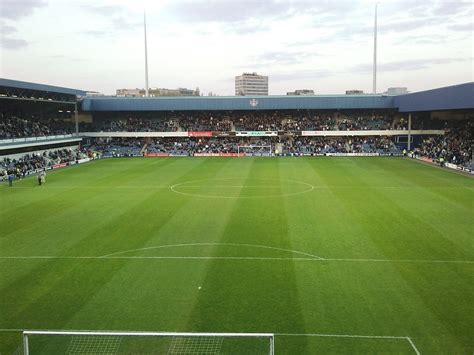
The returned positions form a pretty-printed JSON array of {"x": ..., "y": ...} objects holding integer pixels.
[{"x": 326, "y": 46}]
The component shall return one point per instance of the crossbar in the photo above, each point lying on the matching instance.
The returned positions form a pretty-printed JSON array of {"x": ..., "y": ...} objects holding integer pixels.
[{"x": 107, "y": 333}]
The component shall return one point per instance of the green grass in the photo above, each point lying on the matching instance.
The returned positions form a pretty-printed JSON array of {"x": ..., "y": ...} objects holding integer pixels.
[{"x": 374, "y": 221}]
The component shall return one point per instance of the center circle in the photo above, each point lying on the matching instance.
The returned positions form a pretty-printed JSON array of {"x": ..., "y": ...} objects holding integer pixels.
[{"x": 241, "y": 187}]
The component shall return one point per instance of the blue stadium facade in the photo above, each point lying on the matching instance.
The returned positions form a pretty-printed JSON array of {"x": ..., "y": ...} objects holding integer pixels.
[{"x": 234, "y": 103}]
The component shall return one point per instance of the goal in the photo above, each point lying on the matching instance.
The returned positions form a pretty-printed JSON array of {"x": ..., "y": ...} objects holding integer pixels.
[
  {"x": 255, "y": 150},
  {"x": 105, "y": 342}
]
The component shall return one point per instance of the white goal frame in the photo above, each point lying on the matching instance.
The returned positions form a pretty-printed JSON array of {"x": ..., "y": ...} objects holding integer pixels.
[
  {"x": 27, "y": 333},
  {"x": 256, "y": 146}
]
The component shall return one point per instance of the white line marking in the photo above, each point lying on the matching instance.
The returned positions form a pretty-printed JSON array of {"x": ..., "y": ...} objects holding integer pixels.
[
  {"x": 401, "y": 260},
  {"x": 158, "y": 257},
  {"x": 215, "y": 244},
  {"x": 276, "y": 334},
  {"x": 341, "y": 336},
  {"x": 355, "y": 336},
  {"x": 309, "y": 188},
  {"x": 97, "y": 187},
  {"x": 240, "y": 186},
  {"x": 262, "y": 186},
  {"x": 413, "y": 346},
  {"x": 234, "y": 258}
]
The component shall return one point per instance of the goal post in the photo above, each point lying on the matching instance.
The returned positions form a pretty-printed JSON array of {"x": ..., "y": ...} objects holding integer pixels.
[
  {"x": 111, "y": 342},
  {"x": 255, "y": 150}
]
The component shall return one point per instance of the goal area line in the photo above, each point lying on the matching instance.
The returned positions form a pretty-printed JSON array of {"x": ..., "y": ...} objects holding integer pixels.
[{"x": 382, "y": 337}]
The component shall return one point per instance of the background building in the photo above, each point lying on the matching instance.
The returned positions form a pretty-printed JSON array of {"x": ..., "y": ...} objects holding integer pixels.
[
  {"x": 94, "y": 93},
  {"x": 301, "y": 92},
  {"x": 396, "y": 91},
  {"x": 354, "y": 92},
  {"x": 251, "y": 84},
  {"x": 158, "y": 92}
]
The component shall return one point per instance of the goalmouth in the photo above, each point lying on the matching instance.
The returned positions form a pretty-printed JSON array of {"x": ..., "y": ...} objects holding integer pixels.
[
  {"x": 255, "y": 150},
  {"x": 111, "y": 342}
]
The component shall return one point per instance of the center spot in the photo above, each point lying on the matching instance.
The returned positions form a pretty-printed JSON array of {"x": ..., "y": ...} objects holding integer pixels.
[{"x": 242, "y": 187}]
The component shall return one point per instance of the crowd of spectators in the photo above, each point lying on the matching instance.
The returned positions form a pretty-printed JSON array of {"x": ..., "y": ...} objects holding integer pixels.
[
  {"x": 220, "y": 121},
  {"x": 204, "y": 121},
  {"x": 324, "y": 145},
  {"x": 132, "y": 124},
  {"x": 282, "y": 145},
  {"x": 288, "y": 121},
  {"x": 32, "y": 162},
  {"x": 454, "y": 147},
  {"x": 115, "y": 147},
  {"x": 15, "y": 127}
]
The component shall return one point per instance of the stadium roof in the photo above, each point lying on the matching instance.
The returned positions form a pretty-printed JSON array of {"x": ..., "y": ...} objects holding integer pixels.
[
  {"x": 40, "y": 87},
  {"x": 447, "y": 98}
]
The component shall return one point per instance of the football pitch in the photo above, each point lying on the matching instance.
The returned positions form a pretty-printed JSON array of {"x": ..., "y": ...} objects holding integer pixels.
[{"x": 332, "y": 255}]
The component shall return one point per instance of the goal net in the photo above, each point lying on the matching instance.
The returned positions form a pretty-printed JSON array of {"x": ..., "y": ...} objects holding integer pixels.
[
  {"x": 92, "y": 342},
  {"x": 255, "y": 150}
]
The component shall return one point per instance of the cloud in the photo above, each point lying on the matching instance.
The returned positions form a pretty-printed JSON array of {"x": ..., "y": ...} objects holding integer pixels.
[
  {"x": 120, "y": 23},
  {"x": 468, "y": 27},
  {"x": 446, "y": 8},
  {"x": 6, "y": 41},
  {"x": 427, "y": 39},
  {"x": 301, "y": 75},
  {"x": 235, "y": 11},
  {"x": 247, "y": 27},
  {"x": 104, "y": 10},
  {"x": 407, "y": 25},
  {"x": 410, "y": 25},
  {"x": 6, "y": 29},
  {"x": 13, "y": 10},
  {"x": 243, "y": 17},
  {"x": 115, "y": 19},
  {"x": 406, "y": 65},
  {"x": 225, "y": 11},
  {"x": 16, "y": 9},
  {"x": 96, "y": 33},
  {"x": 12, "y": 43},
  {"x": 284, "y": 57}
]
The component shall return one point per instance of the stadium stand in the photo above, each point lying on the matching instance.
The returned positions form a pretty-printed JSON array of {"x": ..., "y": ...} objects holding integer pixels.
[
  {"x": 30, "y": 163},
  {"x": 19, "y": 127},
  {"x": 332, "y": 124},
  {"x": 454, "y": 147}
]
